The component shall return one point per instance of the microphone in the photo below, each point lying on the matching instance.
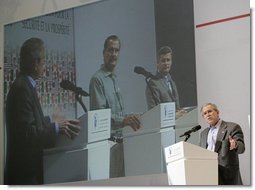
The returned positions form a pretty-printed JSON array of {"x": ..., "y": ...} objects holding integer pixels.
[
  {"x": 194, "y": 129},
  {"x": 142, "y": 71},
  {"x": 67, "y": 85}
]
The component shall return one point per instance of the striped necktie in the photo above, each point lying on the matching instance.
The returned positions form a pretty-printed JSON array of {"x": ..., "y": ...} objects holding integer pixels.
[{"x": 168, "y": 83}]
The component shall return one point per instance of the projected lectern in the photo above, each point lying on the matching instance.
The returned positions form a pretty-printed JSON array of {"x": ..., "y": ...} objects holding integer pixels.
[
  {"x": 81, "y": 158},
  {"x": 143, "y": 149}
]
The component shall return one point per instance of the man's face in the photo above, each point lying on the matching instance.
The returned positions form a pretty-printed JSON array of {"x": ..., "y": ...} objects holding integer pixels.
[
  {"x": 39, "y": 67},
  {"x": 210, "y": 115},
  {"x": 111, "y": 54},
  {"x": 165, "y": 63}
]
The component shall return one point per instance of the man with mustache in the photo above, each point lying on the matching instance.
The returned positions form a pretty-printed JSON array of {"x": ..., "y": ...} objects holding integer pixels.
[
  {"x": 225, "y": 138},
  {"x": 105, "y": 93}
]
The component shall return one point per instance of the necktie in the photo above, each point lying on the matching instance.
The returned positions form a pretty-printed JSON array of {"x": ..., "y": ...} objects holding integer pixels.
[
  {"x": 169, "y": 86},
  {"x": 168, "y": 83}
]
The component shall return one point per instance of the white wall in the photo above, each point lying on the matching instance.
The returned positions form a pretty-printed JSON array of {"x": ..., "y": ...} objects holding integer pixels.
[
  {"x": 222, "y": 55},
  {"x": 223, "y": 65}
]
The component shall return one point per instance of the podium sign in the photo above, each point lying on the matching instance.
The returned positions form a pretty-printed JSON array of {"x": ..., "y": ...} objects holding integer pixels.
[
  {"x": 167, "y": 114},
  {"x": 188, "y": 164},
  {"x": 99, "y": 125}
]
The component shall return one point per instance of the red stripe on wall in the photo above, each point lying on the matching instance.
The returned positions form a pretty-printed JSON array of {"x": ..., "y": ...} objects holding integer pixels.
[{"x": 222, "y": 20}]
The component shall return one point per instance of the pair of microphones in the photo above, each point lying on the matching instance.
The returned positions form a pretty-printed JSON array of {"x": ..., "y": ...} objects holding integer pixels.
[{"x": 68, "y": 85}]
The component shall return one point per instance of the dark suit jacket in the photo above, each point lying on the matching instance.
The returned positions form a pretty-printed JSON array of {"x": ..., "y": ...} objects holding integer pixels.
[
  {"x": 228, "y": 160},
  {"x": 28, "y": 132},
  {"x": 158, "y": 92}
]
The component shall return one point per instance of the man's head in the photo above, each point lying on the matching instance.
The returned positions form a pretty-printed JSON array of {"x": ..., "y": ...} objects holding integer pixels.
[
  {"x": 111, "y": 52},
  {"x": 210, "y": 113},
  {"x": 164, "y": 60},
  {"x": 32, "y": 57}
]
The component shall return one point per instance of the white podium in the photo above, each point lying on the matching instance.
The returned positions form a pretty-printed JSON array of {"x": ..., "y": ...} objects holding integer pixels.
[
  {"x": 143, "y": 149},
  {"x": 87, "y": 157},
  {"x": 188, "y": 164}
]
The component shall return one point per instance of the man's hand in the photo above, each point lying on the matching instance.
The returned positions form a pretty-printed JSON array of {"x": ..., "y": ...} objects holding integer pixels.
[
  {"x": 179, "y": 113},
  {"x": 232, "y": 142},
  {"x": 69, "y": 128},
  {"x": 133, "y": 121}
]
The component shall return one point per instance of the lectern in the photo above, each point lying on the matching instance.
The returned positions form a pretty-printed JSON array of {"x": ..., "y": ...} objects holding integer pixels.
[
  {"x": 188, "y": 164},
  {"x": 81, "y": 158},
  {"x": 143, "y": 149}
]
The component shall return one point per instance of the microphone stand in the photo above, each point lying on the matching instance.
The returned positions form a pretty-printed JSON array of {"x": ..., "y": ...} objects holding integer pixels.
[
  {"x": 153, "y": 95},
  {"x": 79, "y": 99}
]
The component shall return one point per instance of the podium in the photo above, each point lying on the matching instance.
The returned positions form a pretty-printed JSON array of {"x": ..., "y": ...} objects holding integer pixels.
[
  {"x": 188, "y": 164},
  {"x": 81, "y": 158},
  {"x": 143, "y": 149}
]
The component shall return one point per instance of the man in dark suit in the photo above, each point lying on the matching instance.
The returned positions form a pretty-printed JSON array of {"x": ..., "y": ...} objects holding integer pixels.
[
  {"x": 225, "y": 138},
  {"x": 162, "y": 89},
  {"x": 28, "y": 131}
]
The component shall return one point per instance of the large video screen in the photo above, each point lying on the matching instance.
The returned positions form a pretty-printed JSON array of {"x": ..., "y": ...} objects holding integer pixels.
[{"x": 74, "y": 41}]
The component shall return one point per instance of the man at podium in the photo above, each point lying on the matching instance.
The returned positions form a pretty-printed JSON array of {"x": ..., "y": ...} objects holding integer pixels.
[
  {"x": 225, "y": 138},
  {"x": 28, "y": 131},
  {"x": 163, "y": 89},
  {"x": 105, "y": 93}
]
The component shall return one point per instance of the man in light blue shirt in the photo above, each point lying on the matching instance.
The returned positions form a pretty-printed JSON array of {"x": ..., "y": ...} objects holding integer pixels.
[{"x": 105, "y": 93}]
